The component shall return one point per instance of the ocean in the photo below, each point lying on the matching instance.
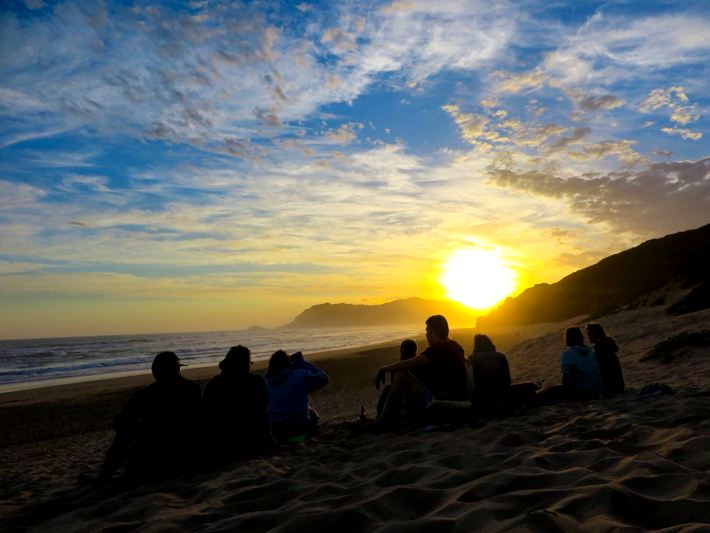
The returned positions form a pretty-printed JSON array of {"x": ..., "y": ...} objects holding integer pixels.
[{"x": 33, "y": 360}]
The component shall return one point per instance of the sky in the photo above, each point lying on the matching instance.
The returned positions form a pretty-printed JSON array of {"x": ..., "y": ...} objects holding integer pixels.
[{"x": 207, "y": 165}]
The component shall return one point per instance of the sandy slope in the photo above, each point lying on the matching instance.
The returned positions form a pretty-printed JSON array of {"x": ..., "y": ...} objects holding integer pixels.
[{"x": 630, "y": 462}]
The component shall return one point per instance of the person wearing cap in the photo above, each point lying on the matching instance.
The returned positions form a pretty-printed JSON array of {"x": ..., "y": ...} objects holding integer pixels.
[
  {"x": 234, "y": 406},
  {"x": 155, "y": 429}
]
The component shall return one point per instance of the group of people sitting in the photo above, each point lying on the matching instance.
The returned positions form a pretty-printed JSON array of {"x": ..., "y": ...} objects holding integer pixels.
[
  {"x": 240, "y": 414},
  {"x": 441, "y": 378},
  {"x": 170, "y": 425}
]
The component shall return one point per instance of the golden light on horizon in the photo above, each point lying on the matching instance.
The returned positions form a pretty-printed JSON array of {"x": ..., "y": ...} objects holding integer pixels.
[{"x": 477, "y": 278}]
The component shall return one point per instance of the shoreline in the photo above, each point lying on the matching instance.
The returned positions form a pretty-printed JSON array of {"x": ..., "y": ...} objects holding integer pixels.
[
  {"x": 197, "y": 369},
  {"x": 510, "y": 334}
]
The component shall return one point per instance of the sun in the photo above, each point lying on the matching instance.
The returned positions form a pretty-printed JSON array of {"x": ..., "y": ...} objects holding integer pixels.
[{"x": 477, "y": 278}]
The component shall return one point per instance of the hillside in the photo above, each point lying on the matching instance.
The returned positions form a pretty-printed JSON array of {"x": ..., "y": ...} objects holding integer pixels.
[
  {"x": 407, "y": 311},
  {"x": 623, "y": 280}
]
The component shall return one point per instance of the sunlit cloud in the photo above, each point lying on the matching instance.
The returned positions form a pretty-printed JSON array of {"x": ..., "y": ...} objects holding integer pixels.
[{"x": 219, "y": 150}]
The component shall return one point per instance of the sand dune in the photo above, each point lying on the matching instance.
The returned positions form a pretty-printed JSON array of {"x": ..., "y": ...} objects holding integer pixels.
[{"x": 632, "y": 462}]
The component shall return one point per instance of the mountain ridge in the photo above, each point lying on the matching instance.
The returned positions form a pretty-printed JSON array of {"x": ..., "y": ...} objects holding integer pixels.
[
  {"x": 621, "y": 280},
  {"x": 397, "y": 312}
]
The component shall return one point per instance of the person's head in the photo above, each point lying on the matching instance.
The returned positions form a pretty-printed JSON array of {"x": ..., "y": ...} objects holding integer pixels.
[
  {"x": 574, "y": 337},
  {"x": 437, "y": 329},
  {"x": 237, "y": 360},
  {"x": 166, "y": 366},
  {"x": 407, "y": 349},
  {"x": 483, "y": 343},
  {"x": 278, "y": 362},
  {"x": 595, "y": 332}
]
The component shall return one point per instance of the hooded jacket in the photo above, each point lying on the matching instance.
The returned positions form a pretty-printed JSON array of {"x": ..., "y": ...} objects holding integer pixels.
[
  {"x": 288, "y": 392},
  {"x": 580, "y": 370}
]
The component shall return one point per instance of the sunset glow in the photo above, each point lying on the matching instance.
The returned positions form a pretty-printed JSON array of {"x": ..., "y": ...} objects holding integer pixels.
[
  {"x": 171, "y": 166},
  {"x": 477, "y": 278}
]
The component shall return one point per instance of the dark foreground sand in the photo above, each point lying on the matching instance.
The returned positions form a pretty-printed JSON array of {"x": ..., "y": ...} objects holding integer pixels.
[{"x": 630, "y": 463}]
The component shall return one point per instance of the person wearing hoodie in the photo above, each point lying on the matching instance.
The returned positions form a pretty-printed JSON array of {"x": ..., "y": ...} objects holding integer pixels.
[
  {"x": 289, "y": 381},
  {"x": 605, "y": 350},
  {"x": 580, "y": 371}
]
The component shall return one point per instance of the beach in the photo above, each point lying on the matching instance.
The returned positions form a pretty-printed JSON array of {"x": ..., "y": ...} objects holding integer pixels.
[{"x": 632, "y": 462}]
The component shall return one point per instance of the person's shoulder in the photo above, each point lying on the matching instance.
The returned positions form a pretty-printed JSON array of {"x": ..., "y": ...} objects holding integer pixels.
[
  {"x": 454, "y": 347},
  {"x": 255, "y": 379},
  {"x": 143, "y": 392},
  {"x": 189, "y": 385},
  {"x": 216, "y": 380},
  {"x": 607, "y": 343},
  {"x": 569, "y": 353}
]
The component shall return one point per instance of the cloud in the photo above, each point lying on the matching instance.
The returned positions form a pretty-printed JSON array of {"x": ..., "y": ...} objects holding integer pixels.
[
  {"x": 684, "y": 133},
  {"x": 345, "y": 134},
  {"x": 659, "y": 98},
  {"x": 676, "y": 100},
  {"x": 663, "y": 153},
  {"x": 222, "y": 71},
  {"x": 589, "y": 102},
  {"x": 611, "y": 48},
  {"x": 577, "y": 136},
  {"x": 662, "y": 198},
  {"x": 621, "y": 150},
  {"x": 516, "y": 83},
  {"x": 473, "y": 127},
  {"x": 19, "y": 195}
]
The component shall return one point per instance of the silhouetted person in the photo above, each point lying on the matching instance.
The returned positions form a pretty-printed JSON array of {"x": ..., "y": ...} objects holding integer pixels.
[
  {"x": 605, "y": 351},
  {"x": 491, "y": 376},
  {"x": 581, "y": 379},
  {"x": 289, "y": 381},
  {"x": 155, "y": 430},
  {"x": 407, "y": 350},
  {"x": 438, "y": 372},
  {"x": 234, "y": 407},
  {"x": 580, "y": 370}
]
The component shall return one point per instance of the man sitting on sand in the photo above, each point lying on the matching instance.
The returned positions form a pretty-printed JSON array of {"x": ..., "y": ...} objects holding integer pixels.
[
  {"x": 155, "y": 430},
  {"x": 605, "y": 351},
  {"x": 234, "y": 406},
  {"x": 438, "y": 372}
]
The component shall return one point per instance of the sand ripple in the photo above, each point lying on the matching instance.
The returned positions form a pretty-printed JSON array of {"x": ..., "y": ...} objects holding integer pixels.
[{"x": 627, "y": 463}]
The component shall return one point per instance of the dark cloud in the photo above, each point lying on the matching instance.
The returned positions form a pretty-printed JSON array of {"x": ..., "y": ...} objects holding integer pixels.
[
  {"x": 593, "y": 103},
  {"x": 662, "y": 198},
  {"x": 577, "y": 135}
]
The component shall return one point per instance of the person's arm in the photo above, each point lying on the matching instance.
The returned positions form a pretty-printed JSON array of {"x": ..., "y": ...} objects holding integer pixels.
[
  {"x": 313, "y": 377},
  {"x": 401, "y": 366}
]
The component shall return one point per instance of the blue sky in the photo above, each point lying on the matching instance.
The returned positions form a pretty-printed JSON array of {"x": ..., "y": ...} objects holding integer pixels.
[{"x": 210, "y": 165}]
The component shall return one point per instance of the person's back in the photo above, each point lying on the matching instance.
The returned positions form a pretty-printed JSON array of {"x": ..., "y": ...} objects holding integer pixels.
[
  {"x": 446, "y": 375},
  {"x": 235, "y": 409},
  {"x": 288, "y": 384},
  {"x": 165, "y": 415},
  {"x": 491, "y": 373},
  {"x": 605, "y": 351},
  {"x": 491, "y": 376},
  {"x": 155, "y": 430},
  {"x": 580, "y": 371}
]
